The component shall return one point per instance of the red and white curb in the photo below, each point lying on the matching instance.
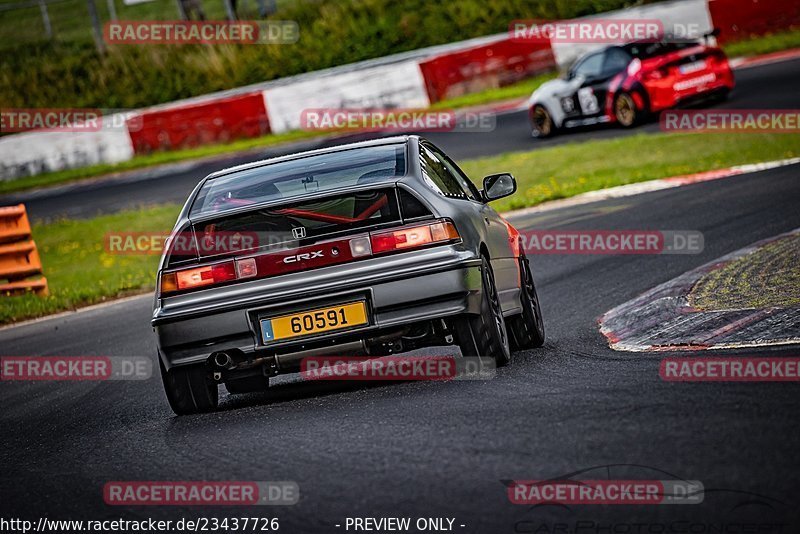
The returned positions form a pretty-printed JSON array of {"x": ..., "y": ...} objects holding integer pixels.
[{"x": 662, "y": 319}]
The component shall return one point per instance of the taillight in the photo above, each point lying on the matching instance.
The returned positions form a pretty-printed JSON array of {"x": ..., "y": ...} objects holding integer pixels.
[
  {"x": 322, "y": 254},
  {"x": 413, "y": 237},
  {"x": 246, "y": 268},
  {"x": 360, "y": 247},
  {"x": 198, "y": 277}
]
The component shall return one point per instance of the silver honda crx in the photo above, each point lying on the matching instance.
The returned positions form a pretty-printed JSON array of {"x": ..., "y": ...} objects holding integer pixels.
[{"x": 371, "y": 248}]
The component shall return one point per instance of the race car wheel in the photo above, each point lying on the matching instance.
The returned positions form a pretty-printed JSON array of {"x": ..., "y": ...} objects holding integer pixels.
[
  {"x": 625, "y": 110},
  {"x": 541, "y": 123},
  {"x": 485, "y": 334},
  {"x": 527, "y": 328},
  {"x": 188, "y": 389}
]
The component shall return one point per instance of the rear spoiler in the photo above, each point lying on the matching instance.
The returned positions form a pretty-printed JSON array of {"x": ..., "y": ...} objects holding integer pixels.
[{"x": 713, "y": 33}]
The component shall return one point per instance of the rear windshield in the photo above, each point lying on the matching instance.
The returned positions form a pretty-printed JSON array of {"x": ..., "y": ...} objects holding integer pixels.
[
  {"x": 308, "y": 220},
  {"x": 300, "y": 177}
]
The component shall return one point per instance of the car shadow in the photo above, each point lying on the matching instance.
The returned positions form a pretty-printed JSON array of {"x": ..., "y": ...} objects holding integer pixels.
[
  {"x": 293, "y": 387},
  {"x": 299, "y": 389}
]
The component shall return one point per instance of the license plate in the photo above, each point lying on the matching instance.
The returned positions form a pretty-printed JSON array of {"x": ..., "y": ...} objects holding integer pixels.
[
  {"x": 693, "y": 67},
  {"x": 314, "y": 321}
]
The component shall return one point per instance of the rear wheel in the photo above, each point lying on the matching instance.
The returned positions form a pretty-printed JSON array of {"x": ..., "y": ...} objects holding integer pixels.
[
  {"x": 485, "y": 334},
  {"x": 189, "y": 389},
  {"x": 527, "y": 328},
  {"x": 542, "y": 125},
  {"x": 625, "y": 111}
]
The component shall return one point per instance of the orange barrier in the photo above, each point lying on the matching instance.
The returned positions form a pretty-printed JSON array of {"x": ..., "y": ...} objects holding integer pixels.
[
  {"x": 19, "y": 258},
  {"x": 14, "y": 223}
]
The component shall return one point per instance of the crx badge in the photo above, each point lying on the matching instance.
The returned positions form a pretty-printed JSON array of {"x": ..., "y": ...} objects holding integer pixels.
[{"x": 304, "y": 256}]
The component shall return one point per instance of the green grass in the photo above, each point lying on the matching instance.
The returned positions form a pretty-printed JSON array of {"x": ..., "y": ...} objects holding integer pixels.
[
  {"x": 766, "y": 278},
  {"x": 70, "y": 18},
  {"x": 521, "y": 89},
  {"x": 765, "y": 44},
  {"x": 78, "y": 269},
  {"x": 575, "y": 168},
  {"x": 80, "y": 272},
  {"x": 69, "y": 72}
]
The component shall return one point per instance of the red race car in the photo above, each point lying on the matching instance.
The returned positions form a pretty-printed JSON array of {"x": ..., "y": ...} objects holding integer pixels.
[{"x": 626, "y": 83}]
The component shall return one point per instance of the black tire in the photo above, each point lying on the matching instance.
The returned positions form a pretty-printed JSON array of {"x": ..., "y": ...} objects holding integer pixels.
[
  {"x": 542, "y": 125},
  {"x": 189, "y": 389},
  {"x": 625, "y": 111},
  {"x": 485, "y": 334},
  {"x": 527, "y": 328},
  {"x": 250, "y": 384}
]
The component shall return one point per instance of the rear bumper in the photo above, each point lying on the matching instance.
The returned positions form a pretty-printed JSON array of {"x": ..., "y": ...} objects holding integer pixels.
[
  {"x": 399, "y": 290},
  {"x": 668, "y": 96}
]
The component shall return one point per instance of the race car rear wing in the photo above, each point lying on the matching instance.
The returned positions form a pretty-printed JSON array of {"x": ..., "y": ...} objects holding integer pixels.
[{"x": 713, "y": 33}]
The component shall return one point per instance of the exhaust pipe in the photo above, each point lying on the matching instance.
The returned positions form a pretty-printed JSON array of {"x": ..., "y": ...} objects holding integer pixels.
[{"x": 222, "y": 360}]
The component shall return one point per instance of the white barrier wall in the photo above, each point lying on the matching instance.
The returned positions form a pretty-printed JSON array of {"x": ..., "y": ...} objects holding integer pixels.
[
  {"x": 398, "y": 85},
  {"x": 32, "y": 153}
]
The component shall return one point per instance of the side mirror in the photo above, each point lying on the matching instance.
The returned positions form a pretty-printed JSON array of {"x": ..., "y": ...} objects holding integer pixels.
[{"x": 498, "y": 186}]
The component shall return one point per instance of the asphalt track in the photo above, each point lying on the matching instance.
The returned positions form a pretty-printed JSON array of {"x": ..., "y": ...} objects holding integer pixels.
[
  {"x": 773, "y": 86},
  {"x": 443, "y": 449}
]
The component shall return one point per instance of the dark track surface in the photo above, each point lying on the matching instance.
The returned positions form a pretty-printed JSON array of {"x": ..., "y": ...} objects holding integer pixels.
[
  {"x": 772, "y": 86},
  {"x": 441, "y": 449}
]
